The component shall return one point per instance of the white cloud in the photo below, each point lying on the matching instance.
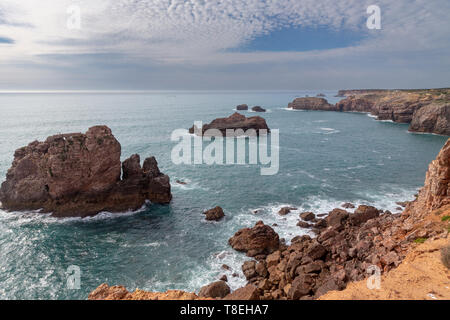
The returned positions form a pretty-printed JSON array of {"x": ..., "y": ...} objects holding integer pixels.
[
  {"x": 200, "y": 32},
  {"x": 163, "y": 29}
]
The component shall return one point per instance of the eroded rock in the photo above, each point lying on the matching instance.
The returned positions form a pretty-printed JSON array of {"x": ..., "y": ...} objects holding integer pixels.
[
  {"x": 234, "y": 122},
  {"x": 214, "y": 214},
  {"x": 80, "y": 175}
]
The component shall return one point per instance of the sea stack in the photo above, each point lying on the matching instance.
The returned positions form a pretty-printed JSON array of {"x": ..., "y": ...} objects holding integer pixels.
[
  {"x": 242, "y": 107},
  {"x": 79, "y": 174},
  {"x": 234, "y": 122},
  {"x": 311, "y": 103}
]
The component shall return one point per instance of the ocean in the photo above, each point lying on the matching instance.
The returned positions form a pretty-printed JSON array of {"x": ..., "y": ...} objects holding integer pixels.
[{"x": 326, "y": 158}]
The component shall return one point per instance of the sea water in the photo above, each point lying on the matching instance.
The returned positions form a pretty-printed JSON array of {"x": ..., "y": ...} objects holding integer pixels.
[{"x": 326, "y": 158}]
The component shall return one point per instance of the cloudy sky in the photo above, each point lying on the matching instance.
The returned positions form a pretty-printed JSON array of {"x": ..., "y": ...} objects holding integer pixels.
[{"x": 222, "y": 44}]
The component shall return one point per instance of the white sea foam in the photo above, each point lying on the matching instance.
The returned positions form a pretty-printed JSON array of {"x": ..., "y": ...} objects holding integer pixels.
[
  {"x": 329, "y": 130},
  {"x": 250, "y": 110},
  {"x": 267, "y": 111},
  {"x": 26, "y": 217},
  {"x": 291, "y": 109},
  {"x": 357, "y": 167},
  {"x": 190, "y": 185}
]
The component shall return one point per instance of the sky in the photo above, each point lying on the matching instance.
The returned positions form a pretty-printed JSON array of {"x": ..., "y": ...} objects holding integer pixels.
[{"x": 222, "y": 44}]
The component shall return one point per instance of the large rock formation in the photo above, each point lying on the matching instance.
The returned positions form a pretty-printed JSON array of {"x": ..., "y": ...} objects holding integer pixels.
[
  {"x": 426, "y": 110},
  {"x": 234, "y": 122},
  {"x": 311, "y": 103},
  {"x": 436, "y": 191},
  {"x": 80, "y": 175}
]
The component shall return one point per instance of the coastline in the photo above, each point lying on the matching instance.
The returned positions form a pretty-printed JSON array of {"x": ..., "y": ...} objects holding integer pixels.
[
  {"x": 309, "y": 268},
  {"x": 192, "y": 184},
  {"x": 425, "y": 110}
]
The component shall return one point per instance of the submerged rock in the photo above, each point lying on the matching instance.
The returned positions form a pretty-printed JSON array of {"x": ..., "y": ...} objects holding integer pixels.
[
  {"x": 258, "y": 109},
  {"x": 80, "y": 175},
  {"x": 285, "y": 210},
  {"x": 348, "y": 205},
  {"x": 233, "y": 122}
]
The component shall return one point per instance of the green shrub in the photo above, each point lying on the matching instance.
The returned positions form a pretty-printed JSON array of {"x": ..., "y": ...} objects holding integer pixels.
[
  {"x": 420, "y": 240},
  {"x": 445, "y": 218}
]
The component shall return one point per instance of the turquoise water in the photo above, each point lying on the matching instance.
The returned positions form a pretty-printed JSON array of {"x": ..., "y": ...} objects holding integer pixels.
[{"x": 326, "y": 158}]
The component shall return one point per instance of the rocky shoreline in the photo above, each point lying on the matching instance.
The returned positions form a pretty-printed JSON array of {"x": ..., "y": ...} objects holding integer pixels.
[
  {"x": 348, "y": 245},
  {"x": 426, "y": 111},
  {"x": 81, "y": 175}
]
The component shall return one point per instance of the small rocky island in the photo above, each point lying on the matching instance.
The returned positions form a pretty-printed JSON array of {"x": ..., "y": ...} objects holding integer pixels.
[
  {"x": 311, "y": 103},
  {"x": 234, "y": 122},
  {"x": 80, "y": 175},
  {"x": 242, "y": 107}
]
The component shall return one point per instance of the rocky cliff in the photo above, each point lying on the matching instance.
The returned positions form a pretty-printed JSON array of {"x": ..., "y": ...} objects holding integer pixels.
[
  {"x": 348, "y": 244},
  {"x": 80, "y": 175},
  {"x": 233, "y": 122},
  {"x": 425, "y": 110},
  {"x": 435, "y": 193}
]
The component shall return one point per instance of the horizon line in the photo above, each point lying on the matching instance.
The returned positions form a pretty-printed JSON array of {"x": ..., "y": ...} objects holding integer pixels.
[{"x": 193, "y": 90}]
